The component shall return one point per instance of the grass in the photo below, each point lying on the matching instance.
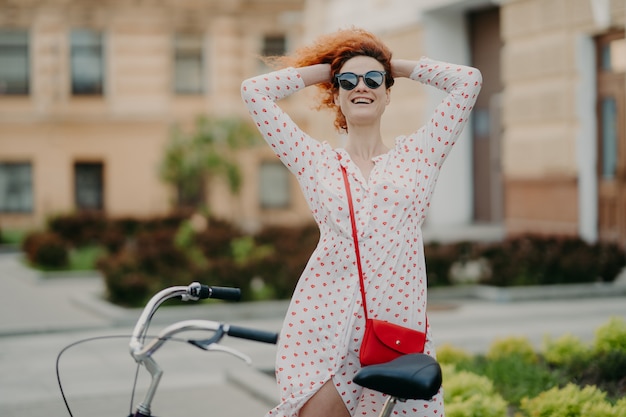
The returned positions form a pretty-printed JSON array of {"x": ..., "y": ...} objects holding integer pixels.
[
  {"x": 80, "y": 259},
  {"x": 12, "y": 237},
  {"x": 85, "y": 258}
]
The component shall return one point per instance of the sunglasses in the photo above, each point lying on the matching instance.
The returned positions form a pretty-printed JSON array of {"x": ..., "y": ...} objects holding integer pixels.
[{"x": 349, "y": 80}]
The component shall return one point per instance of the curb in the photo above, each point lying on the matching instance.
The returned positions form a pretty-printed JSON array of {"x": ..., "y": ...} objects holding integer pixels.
[
  {"x": 529, "y": 293},
  {"x": 120, "y": 316}
]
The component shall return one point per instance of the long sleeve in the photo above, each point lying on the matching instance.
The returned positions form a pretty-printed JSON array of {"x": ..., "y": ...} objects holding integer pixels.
[
  {"x": 294, "y": 147},
  {"x": 462, "y": 84}
]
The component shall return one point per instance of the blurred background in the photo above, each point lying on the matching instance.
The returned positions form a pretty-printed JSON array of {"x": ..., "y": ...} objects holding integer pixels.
[{"x": 128, "y": 161}]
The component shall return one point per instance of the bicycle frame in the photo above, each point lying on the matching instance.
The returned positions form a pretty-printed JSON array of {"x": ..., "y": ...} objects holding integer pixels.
[{"x": 409, "y": 377}]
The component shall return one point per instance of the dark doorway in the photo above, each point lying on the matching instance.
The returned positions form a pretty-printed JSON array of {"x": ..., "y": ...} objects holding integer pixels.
[
  {"x": 611, "y": 108},
  {"x": 486, "y": 46}
]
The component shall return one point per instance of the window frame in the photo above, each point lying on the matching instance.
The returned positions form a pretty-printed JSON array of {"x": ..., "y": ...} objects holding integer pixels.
[
  {"x": 92, "y": 51},
  {"x": 182, "y": 57},
  {"x": 15, "y": 86},
  {"x": 28, "y": 207},
  {"x": 79, "y": 200}
]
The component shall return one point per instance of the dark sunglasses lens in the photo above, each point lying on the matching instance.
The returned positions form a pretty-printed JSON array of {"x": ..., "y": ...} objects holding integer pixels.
[
  {"x": 348, "y": 81},
  {"x": 374, "y": 79}
]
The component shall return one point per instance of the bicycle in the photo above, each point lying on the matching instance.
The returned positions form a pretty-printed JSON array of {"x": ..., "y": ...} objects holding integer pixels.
[{"x": 410, "y": 377}]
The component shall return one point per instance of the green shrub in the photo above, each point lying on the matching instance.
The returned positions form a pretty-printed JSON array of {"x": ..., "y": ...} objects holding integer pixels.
[
  {"x": 610, "y": 366},
  {"x": 292, "y": 247},
  {"x": 126, "y": 285},
  {"x": 113, "y": 238},
  {"x": 515, "y": 378},
  {"x": 610, "y": 259},
  {"x": 46, "y": 250},
  {"x": 566, "y": 351},
  {"x": 450, "y": 355},
  {"x": 569, "y": 401},
  {"x": 520, "y": 347},
  {"x": 620, "y": 407},
  {"x": 468, "y": 395},
  {"x": 611, "y": 336},
  {"x": 439, "y": 260},
  {"x": 545, "y": 260},
  {"x": 78, "y": 229}
]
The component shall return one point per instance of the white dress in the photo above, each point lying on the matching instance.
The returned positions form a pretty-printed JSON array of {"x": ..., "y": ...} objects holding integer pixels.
[{"x": 323, "y": 328}]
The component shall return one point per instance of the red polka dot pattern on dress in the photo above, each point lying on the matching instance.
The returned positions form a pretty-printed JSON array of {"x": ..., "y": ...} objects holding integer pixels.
[{"x": 323, "y": 327}]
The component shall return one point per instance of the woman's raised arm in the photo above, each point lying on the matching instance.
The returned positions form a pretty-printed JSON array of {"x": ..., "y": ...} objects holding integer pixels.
[{"x": 314, "y": 74}]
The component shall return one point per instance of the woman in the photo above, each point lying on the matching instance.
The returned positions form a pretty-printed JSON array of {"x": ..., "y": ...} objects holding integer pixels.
[{"x": 318, "y": 352}]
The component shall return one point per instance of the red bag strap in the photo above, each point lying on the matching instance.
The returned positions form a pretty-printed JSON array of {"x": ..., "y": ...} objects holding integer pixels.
[{"x": 356, "y": 239}]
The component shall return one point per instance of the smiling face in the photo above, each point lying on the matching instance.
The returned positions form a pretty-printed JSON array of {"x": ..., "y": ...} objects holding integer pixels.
[{"x": 362, "y": 105}]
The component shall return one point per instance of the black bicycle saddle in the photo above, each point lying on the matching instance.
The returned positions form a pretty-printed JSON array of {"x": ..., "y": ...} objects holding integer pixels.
[{"x": 416, "y": 376}]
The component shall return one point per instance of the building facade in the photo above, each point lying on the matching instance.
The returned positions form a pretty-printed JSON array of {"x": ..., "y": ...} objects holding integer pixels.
[
  {"x": 546, "y": 149},
  {"x": 89, "y": 91}
]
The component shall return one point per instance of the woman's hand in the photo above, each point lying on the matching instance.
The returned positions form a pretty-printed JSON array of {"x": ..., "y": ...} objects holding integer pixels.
[{"x": 402, "y": 67}]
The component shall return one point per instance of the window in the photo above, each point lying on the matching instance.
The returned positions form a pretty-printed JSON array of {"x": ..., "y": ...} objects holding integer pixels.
[
  {"x": 14, "y": 71},
  {"x": 274, "y": 185},
  {"x": 87, "y": 62},
  {"x": 609, "y": 136},
  {"x": 188, "y": 64},
  {"x": 16, "y": 188},
  {"x": 274, "y": 45},
  {"x": 613, "y": 56},
  {"x": 88, "y": 186}
]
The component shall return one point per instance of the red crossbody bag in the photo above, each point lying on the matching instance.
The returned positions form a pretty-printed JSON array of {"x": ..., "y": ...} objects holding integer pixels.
[{"x": 383, "y": 340}]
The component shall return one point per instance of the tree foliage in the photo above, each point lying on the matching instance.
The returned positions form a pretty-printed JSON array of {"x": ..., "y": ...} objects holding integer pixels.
[{"x": 193, "y": 158}]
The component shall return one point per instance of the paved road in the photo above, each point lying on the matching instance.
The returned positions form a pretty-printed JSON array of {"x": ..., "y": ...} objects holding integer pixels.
[{"x": 38, "y": 317}]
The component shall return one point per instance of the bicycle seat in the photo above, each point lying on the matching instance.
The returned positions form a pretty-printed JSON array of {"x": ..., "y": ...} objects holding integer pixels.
[{"x": 415, "y": 376}]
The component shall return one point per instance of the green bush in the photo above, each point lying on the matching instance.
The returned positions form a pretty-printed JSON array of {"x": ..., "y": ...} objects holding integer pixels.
[
  {"x": 78, "y": 229},
  {"x": 520, "y": 347},
  {"x": 175, "y": 253},
  {"x": 515, "y": 378},
  {"x": 450, "y": 355},
  {"x": 292, "y": 247},
  {"x": 113, "y": 238},
  {"x": 125, "y": 284},
  {"x": 566, "y": 351},
  {"x": 611, "y": 336},
  {"x": 515, "y": 369},
  {"x": 468, "y": 395},
  {"x": 47, "y": 250},
  {"x": 530, "y": 260},
  {"x": 570, "y": 401}
]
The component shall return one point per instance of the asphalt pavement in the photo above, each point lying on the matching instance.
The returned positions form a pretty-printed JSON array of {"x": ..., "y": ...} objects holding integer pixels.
[{"x": 40, "y": 315}]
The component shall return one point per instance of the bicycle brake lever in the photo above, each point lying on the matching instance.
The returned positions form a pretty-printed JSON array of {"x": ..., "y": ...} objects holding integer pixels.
[
  {"x": 212, "y": 344},
  {"x": 214, "y": 347}
]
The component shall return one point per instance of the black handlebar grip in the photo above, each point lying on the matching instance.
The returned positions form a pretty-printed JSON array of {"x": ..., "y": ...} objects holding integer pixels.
[
  {"x": 204, "y": 292},
  {"x": 253, "y": 334},
  {"x": 225, "y": 293}
]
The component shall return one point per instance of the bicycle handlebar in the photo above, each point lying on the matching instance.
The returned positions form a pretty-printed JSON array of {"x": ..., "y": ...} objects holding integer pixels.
[
  {"x": 195, "y": 291},
  {"x": 224, "y": 293},
  {"x": 252, "y": 334}
]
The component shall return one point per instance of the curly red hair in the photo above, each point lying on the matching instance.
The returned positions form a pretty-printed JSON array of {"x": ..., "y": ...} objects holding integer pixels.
[{"x": 335, "y": 49}]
